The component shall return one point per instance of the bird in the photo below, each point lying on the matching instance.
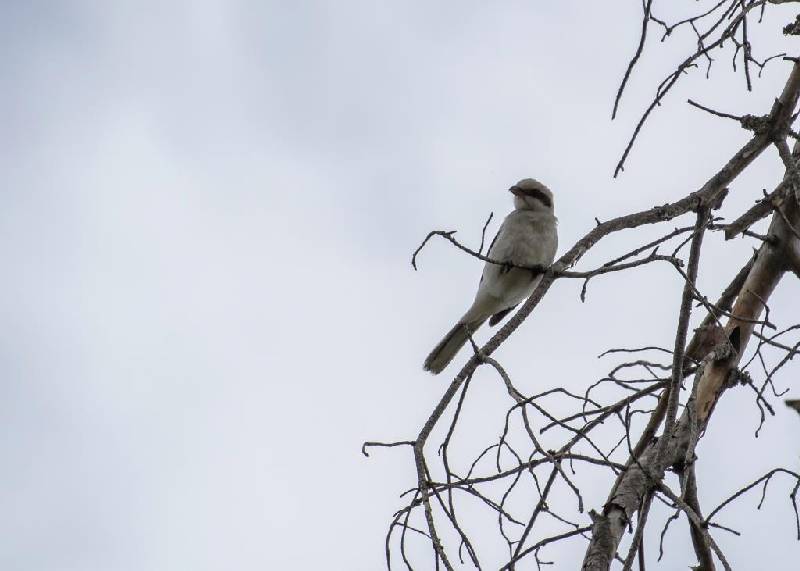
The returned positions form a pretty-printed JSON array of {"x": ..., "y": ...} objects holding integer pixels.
[{"x": 528, "y": 236}]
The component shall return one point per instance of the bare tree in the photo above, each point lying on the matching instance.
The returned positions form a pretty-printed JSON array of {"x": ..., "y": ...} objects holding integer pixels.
[{"x": 656, "y": 429}]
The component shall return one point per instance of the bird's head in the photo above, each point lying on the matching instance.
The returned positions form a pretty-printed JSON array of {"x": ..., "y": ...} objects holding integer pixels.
[{"x": 530, "y": 194}]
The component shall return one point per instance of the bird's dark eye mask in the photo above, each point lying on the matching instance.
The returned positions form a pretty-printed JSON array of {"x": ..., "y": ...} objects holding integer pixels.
[{"x": 532, "y": 193}]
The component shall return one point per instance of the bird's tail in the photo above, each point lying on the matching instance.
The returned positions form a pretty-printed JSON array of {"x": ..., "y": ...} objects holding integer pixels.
[{"x": 447, "y": 348}]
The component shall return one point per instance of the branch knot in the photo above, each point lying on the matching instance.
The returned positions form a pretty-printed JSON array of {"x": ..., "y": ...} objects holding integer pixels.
[{"x": 756, "y": 123}]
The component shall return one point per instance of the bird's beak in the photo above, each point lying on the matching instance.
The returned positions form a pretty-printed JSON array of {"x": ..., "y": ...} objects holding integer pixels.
[{"x": 516, "y": 191}]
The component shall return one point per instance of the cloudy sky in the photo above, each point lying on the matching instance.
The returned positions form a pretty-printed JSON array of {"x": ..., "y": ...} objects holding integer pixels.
[{"x": 208, "y": 211}]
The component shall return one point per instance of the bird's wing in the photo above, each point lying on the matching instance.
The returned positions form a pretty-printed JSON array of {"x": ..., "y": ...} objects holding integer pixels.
[{"x": 489, "y": 251}]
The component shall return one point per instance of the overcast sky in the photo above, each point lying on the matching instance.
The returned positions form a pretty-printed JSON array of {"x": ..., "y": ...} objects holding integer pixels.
[{"x": 208, "y": 211}]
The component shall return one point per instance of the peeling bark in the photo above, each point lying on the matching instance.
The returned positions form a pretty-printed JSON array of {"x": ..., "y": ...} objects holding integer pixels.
[{"x": 711, "y": 379}]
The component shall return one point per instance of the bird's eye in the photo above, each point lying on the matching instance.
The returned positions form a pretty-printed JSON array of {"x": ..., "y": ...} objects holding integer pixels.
[
  {"x": 545, "y": 200},
  {"x": 541, "y": 197},
  {"x": 536, "y": 193}
]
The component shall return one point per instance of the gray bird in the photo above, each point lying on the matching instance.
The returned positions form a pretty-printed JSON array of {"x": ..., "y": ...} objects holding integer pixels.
[{"x": 526, "y": 237}]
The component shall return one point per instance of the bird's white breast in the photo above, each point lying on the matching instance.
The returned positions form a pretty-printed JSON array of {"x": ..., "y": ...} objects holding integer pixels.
[{"x": 525, "y": 238}]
